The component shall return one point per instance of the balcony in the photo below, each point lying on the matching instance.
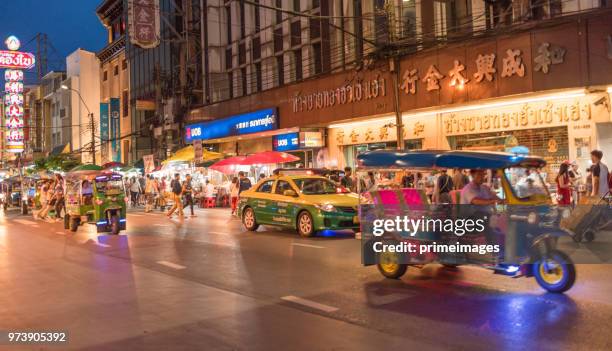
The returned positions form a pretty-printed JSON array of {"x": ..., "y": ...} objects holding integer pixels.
[{"x": 112, "y": 49}]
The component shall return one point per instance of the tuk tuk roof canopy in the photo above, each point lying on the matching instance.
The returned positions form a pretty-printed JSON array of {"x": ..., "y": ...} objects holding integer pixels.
[
  {"x": 187, "y": 154},
  {"x": 430, "y": 159}
]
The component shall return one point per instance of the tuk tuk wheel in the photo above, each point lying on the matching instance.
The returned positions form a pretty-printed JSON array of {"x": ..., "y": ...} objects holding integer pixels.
[
  {"x": 389, "y": 266},
  {"x": 588, "y": 236},
  {"x": 66, "y": 221},
  {"x": 24, "y": 209},
  {"x": 114, "y": 220},
  {"x": 555, "y": 273},
  {"x": 74, "y": 224}
]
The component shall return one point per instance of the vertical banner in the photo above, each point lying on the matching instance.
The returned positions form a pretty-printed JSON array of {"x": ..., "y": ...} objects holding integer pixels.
[
  {"x": 197, "y": 150},
  {"x": 104, "y": 127},
  {"x": 149, "y": 163},
  {"x": 143, "y": 23},
  {"x": 115, "y": 129}
]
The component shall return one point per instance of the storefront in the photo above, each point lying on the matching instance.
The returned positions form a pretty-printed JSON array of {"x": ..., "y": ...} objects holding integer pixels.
[{"x": 307, "y": 144}]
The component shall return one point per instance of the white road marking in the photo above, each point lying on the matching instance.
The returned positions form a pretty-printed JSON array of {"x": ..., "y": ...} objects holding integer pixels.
[
  {"x": 60, "y": 233},
  {"x": 309, "y": 303},
  {"x": 171, "y": 265},
  {"x": 217, "y": 233},
  {"x": 161, "y": 225},
  {"x": 100, "y": 244},
  {"x": 308, "y": 245}
]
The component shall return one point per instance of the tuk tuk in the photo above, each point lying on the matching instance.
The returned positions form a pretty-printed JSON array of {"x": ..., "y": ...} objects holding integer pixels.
[
  {"x": 97, "y": 198},
  {"x": 519, "y": 227}
]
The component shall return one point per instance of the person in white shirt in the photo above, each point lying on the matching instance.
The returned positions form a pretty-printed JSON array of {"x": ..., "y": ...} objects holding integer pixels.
[
  {"x": 209, "y": 190},
  {"x": 477, "y": 193}
]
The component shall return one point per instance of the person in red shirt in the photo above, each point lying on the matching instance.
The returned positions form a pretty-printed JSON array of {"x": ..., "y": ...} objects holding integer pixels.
[{"x": 564, "y": 185}]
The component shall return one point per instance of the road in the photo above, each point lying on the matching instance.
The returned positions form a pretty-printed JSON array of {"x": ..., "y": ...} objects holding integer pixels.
[{"x": 205, "y": 283}]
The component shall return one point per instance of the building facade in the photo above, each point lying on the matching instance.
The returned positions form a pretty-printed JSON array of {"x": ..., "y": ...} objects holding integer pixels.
[
  {"x": 115, "y": 116},
  {"x": 466, "y": 75}
]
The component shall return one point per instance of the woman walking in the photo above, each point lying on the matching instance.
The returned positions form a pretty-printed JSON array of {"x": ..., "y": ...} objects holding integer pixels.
[
  {"x": 564, "y": 185},
  {"x": 234, "y": 192}
]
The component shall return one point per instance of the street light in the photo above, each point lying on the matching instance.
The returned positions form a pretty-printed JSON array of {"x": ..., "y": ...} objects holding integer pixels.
[{"x": 92, "y": 124}]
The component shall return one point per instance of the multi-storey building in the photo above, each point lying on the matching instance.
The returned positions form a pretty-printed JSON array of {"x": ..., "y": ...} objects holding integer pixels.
[
  {"x": 331, "y": 78},
  {"x": 56, "y": 121},
  {"x": 114, "y": 110}
]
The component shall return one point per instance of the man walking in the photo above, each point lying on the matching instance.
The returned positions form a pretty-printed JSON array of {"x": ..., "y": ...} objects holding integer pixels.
[
  {"x": 599, "y": 175},
  {"x": 177, "y": 190},
  {"x": 188, "y": 193},
  {"x": 244, "y": 182},
  {"x": 347, "y": 181}
]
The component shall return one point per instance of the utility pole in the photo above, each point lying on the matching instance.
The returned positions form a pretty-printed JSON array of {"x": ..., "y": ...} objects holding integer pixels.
[
  {"x": 92, "y": 127},
  {"x": 399, "y": 126}
]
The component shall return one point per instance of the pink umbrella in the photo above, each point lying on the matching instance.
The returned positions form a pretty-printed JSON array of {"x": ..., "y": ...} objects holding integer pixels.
[{"x": 269, "y": 157}]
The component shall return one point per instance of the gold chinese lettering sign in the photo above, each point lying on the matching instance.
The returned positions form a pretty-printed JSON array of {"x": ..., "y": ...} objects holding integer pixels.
[
  {"x": 356, "y": 91},
  {"x": 525, "y": 116}
]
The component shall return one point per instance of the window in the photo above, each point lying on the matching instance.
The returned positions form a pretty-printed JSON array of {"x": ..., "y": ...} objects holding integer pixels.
[
  {"x": 242, "y": 54},
  {"x": 125, "y": 106},
  {"x": 62, "y": 112},
  {"x": 297, "y": 57},
  {"x": 257, "y": 19},
  {"x": 243, "y": 75},
  {"x": 105, "y": 76},
  {"x": 315, "y": 28},
  {"x": 316, "y": 3},
  {"x": 116, "y": 70},
  {"x": 256, "y": 47},
  {"x": 280, "y": 70},
  {"x": 408, "y": 22},
  {"x": 228, "y": 59},
  {"x": 278, "y": 39},
  {"x": 279, "y": 14},
  {"x": 316, "y": 52},
  {"x": 296, "y": 33},
  {"x": 296, "y": 5},
  {"x": 266, "y": 187},
  {"x": 230, "y": 80},
  {"x": 281, "y": 186},
  {"x": 124, "y": 64},
  {"x": 228, "y": 18},
  {"x": 258, "y": 76},
  {"x": 242, "y": 20}
]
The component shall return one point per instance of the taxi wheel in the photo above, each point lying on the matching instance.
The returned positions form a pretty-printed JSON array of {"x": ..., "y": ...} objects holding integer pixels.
[
  {"x": 305, "y": 224},
  {"x": 556, "y": 273},
  {"x": 389, "y": 266},
  {"x": 249, "y": 220}
]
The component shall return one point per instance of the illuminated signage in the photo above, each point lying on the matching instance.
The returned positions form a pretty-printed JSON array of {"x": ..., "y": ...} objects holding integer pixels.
[
  {"x": 13, "y": 87},
  {"x": 311, "y": 139},
  {"x": 247, "y": 123},
  {"x": 286, "y": 142}
]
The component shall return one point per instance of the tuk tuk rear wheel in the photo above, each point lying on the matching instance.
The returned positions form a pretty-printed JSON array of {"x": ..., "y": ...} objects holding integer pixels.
[
  {"x": 24, "y": 208},
  {"x": 74, "y": 224},
  {"x": 389, "y": 266},
  {"x": 114, "y": 221},
  {"x": 66, "y": 221},
  {"x": 556, "y": 273}
]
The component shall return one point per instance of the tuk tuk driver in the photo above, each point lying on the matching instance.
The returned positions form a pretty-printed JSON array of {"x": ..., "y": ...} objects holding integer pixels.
[
  {"x": 86, "y": 193},
  {"x": 478, "y": 193}
]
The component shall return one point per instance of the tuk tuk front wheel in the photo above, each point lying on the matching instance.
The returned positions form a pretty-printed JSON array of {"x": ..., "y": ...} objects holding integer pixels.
[
  {"x": 114, "y": 221},
  {"x": 389, "y": 266},
  {"x": 556, "y": 273},
  {"x": 66, "y": 221},
  {"x": 24, "y": 208}
]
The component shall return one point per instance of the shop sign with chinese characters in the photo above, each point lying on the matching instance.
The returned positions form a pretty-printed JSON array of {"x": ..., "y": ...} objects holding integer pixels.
[
  {"x": 13, "y": 61},
  {"x": 522, "y": 116},
  {"x": 377, "y": 132},
  {"x": 357, "y": 90},
  {"x": 513, "y": 64},
  {"x": 143, "y": 22}
]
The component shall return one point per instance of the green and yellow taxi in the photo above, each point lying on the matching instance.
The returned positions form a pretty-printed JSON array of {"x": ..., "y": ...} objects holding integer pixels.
[{"x": 309, "y": 204}]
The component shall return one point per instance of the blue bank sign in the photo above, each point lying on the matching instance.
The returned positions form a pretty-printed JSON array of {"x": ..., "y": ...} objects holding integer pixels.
[
  {"x": 247, "y": 123},
  {"x": 286, "y": 142}
]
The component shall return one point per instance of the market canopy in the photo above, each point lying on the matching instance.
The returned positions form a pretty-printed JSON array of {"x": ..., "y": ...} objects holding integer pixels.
[
  {"x": 187, "y": 154},
  {"x": 270, "y": 157}
]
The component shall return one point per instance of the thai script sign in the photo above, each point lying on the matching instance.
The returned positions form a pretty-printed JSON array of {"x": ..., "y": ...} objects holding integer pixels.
[
  {"x": 246, "y": 123},
  {"x": 525, "y": 116},
  {"x": 358, "y": 90},
  {"x": 16, "y": 59}
]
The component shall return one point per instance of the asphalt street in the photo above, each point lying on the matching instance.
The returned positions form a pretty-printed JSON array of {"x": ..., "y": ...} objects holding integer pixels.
[{"x": 204, "y": 283}]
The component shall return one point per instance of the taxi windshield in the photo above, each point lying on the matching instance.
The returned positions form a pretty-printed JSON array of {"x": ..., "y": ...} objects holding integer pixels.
[
  {"x": 525, "y": 182},
  {"x": 315, "y": 186}
]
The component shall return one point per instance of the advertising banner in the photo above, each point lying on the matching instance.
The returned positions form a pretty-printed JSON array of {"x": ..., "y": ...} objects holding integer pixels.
[
  {"x": 246, "y": 123},
  {"x": 149, "y": 163},
  {"x": 197, "y": 149},
  {"x": 115, "y": 129},
  {"x": 104, "y": 128},
  {"x": 286, "y": 142}
]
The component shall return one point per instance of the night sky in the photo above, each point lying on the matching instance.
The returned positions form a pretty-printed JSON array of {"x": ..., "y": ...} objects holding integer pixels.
[{"x": 69, "y": 25}]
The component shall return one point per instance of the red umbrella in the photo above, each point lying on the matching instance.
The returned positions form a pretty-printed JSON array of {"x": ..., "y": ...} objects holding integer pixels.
[
  {"x": 270, "y": 157},
  {"x": 109, "y": 165},
  {"x": 227, "y": 165}
]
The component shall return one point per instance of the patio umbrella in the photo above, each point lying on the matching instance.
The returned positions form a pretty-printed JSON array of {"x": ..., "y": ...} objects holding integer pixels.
[
  {"x": 269, "y": 157},
  {"x": 187, "y": 154},
  {"x": 228, "y": 165},
  {"x": 85, "y": 170}
]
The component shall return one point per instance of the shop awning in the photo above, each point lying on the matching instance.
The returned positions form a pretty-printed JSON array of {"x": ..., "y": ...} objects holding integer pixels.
[
  {"x": 187, "y": 154},
  {"x": 60, "y": 149}
]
